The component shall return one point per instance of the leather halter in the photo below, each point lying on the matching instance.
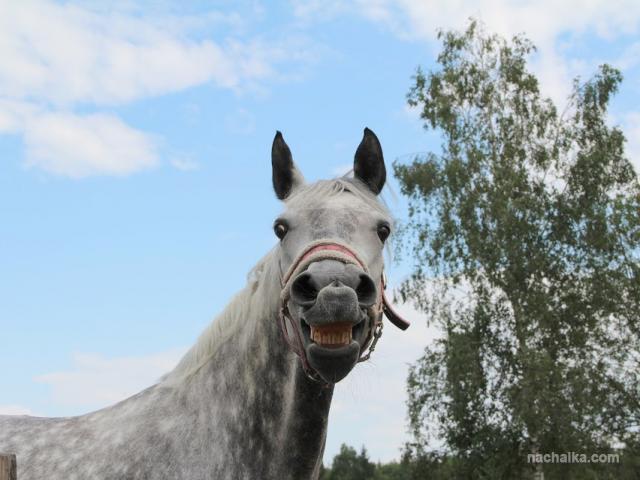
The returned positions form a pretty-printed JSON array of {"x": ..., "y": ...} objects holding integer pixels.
[{"x": 330, "y": 250}]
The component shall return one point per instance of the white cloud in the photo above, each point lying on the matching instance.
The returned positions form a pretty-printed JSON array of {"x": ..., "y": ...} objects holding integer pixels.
[
  {"x": 66, "y": 54},
  {"x": 547, "y": 23},
  {"x": 58, "y": 57},
  {"x": 14, "y": 115},
  {"x": 369, "y": 405},
  {"x": 78, "y": 146},
  {"x": 544, "y": 22},
  {"x": 185, "y": 164},
  {"x": 15, "y": 410},
  {"x": 96, "y": 382}
]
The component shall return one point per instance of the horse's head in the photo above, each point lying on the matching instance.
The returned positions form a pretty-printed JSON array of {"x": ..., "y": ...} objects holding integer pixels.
[{"x": 332, "y": 235}]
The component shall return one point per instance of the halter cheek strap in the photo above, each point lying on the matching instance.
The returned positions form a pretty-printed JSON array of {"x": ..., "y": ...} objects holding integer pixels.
[
  {"x": 328, "y": 250},
  {"x": 393, "y": 316}
]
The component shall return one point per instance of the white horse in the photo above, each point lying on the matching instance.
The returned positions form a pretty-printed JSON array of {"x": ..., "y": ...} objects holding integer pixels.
[{"x": 250, "y": 400}]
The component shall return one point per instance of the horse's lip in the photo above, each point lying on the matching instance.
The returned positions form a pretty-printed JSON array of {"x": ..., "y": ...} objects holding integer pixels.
[
  {"x": 333, "y": 364},
  {"x": 316, "y": 348}
]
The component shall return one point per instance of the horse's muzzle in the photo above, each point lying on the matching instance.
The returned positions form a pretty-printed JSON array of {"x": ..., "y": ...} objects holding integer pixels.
[{"x": 331, "y": 300}]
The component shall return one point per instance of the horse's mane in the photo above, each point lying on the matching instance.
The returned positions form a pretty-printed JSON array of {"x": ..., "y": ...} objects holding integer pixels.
[
  {"x": 254, "y": 300},
  {"x": 259, "y": 298}
]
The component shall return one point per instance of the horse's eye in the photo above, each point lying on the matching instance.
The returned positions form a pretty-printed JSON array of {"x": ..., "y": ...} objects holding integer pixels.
[
  {"x": 281, "y": 229},
  {"x": 383, "y": 232}
]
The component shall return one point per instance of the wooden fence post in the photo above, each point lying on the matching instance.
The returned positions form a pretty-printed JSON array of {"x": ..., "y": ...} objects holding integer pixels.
[{"x": 8, "y": 467}]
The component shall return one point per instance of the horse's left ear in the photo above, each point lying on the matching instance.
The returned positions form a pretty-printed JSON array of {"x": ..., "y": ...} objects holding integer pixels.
[
  {"x": 368, "y": 165},
  {"x": 286, "y": 177}
]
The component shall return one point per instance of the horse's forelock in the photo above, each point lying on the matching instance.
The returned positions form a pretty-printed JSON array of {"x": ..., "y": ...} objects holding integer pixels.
[{"x": 313, "y": 194}]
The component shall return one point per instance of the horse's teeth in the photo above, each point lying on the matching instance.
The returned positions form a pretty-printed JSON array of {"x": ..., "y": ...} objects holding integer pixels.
[{"x": 331, "y": 338}]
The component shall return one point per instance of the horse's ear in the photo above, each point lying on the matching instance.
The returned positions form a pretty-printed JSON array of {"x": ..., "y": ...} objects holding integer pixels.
[
  {"x": 368, "y": 165},
  {"x": 286, "y": 177}
]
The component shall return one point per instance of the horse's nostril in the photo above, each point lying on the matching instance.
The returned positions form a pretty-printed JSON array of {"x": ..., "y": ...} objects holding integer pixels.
[
  {"x": 303, "y": 290},
  {"x": 366, "y": 291}
]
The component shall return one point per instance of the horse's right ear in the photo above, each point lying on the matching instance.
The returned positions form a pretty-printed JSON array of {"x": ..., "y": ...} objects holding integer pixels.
[{"x": 286, "y": 177}]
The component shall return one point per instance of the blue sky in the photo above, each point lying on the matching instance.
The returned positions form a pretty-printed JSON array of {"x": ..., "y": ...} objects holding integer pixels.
[{"x": 135, "y": 177}]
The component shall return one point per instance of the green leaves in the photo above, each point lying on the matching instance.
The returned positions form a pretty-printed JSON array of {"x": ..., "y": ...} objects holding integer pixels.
[
  {"x": 535, "y": 216},
  {"x": 350, "y": 465}
]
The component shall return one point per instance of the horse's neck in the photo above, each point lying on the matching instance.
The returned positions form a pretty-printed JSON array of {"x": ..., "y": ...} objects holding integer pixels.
[{"x": 260, "y": 402}]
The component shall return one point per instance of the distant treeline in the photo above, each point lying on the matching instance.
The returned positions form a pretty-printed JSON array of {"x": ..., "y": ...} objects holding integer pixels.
[{"x": 348, "y": 464}]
